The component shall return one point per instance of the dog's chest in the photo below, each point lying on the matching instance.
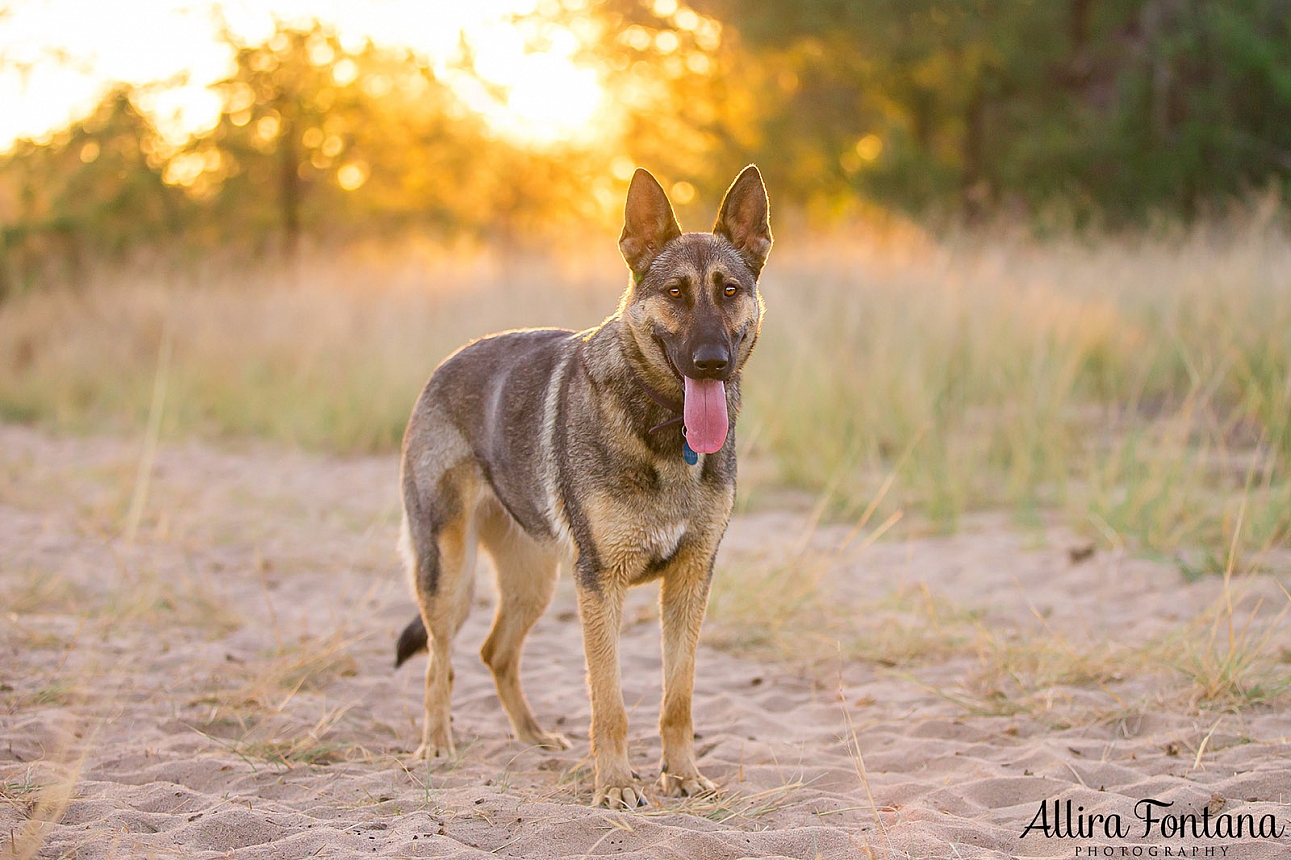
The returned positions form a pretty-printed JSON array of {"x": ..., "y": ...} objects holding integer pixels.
[
  {"x": 639, "y": 546},
  {"x": 639, "y": 524},
  {"x": 662, "y": 541}
]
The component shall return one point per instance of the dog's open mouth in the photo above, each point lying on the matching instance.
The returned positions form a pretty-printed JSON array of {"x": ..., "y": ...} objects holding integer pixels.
[{"x": 704, "y": 414}]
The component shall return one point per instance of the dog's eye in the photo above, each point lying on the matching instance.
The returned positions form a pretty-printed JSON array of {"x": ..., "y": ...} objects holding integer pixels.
[
  {"x": 675, "y": 292},
  {"x": 731, "y": 289}
]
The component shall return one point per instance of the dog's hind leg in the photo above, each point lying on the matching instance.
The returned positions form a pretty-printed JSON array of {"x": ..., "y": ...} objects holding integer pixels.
[
  {"x": 443, "y": 570},
  {"x": 526, "y": 577}
]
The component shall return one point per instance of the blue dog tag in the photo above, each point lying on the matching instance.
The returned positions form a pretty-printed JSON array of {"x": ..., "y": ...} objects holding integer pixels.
[{"x": 688, "y": 454}]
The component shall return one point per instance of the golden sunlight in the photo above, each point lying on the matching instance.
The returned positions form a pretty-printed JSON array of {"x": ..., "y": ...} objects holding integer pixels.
[
  {"x": 58, "y": 57},
  {"x": 545, "y": 97}
]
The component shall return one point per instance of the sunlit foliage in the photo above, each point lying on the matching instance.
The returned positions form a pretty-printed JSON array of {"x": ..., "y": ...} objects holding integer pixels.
[
  {"x": 312, "y": 141},
  {"x": 317, "y": 139},
  {"x": 95, "y": 187}
]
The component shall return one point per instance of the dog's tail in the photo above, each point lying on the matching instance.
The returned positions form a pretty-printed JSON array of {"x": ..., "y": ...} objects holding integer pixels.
[{"x": 411, "y": 641}]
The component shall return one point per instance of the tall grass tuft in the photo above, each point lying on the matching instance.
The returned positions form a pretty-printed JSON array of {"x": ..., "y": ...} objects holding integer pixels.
[
  {"x": 1132, "y": 379},
  {"x": 330, "y": 357}
]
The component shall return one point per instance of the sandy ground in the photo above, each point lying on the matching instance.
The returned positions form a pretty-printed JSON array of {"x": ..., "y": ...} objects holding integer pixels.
[{"x": 223, "y": 688}]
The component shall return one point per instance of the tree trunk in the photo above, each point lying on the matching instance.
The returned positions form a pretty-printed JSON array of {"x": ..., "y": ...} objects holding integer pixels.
[
  {"x": 973, "y": 184},
  {"x": 289, "y": 166}
]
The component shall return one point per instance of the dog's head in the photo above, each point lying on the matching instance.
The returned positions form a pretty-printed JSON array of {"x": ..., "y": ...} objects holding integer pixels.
[{"x": 693, "y": 307}]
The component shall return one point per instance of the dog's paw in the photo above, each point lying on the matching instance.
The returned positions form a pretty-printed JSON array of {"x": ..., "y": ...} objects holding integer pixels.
[
  {"x": 552, "y": 741},
  {"x": 438, "y": 745},
  {"x": 429, "y": 752},
  {"x": 620, "y": 797},
  {"x": 685, "y": 785}
]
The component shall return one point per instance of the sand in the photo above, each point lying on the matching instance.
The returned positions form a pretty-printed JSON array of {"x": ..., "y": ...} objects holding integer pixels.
[{"x": 224, "y": 688}]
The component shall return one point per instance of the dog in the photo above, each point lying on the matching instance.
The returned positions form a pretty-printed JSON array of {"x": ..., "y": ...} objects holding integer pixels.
[{"x": 609, "y": 450}]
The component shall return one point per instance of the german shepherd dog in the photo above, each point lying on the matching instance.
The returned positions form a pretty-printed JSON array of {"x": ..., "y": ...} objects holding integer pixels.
[{"x": 609, "y": 450}]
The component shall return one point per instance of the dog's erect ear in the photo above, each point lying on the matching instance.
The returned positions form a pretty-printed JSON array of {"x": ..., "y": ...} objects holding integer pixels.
[
  {"x": 648, "y": 222},
  {"x": 744, "y": 218}
]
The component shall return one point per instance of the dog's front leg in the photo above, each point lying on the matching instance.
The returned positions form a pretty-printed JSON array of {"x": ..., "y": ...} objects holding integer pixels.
[
  {"x": 601, "y": 610},
  {"x": 683, "y": 599}
]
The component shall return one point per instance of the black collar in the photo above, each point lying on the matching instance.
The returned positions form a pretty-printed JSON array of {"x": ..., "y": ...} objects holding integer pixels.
[{"x": 666, "y": 402}]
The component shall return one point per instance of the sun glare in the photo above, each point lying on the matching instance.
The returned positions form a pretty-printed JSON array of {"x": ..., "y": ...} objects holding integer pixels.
[
  {"x": 58, "y": 57},
  {"x": 545, "y": 97}
]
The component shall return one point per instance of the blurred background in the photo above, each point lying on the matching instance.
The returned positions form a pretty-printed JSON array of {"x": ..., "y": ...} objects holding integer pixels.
[
  {"x": 1031, "y": 255},
  {"x": 258, "y": 125}
]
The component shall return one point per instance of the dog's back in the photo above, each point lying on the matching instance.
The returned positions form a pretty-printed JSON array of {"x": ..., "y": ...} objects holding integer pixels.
[{"x": 488, "y": 404}]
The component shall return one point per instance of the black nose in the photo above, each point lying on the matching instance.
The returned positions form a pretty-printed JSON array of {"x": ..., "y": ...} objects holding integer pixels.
[{"x": 711, "y": 359}]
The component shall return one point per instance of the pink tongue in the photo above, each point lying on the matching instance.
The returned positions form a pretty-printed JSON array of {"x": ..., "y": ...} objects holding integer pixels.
[{"x": 704, "y": 411}]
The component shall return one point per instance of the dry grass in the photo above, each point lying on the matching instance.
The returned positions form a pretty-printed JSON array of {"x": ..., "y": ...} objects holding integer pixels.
[
  {"x": 256, "y": 712},
  {"x": 912, "y": 625},
  {"x": 1228, "y": 658},
  {"x": 36, "y": 591},
  {"x": 1044, "y": 677},
  {"x": 763, "y": 605},
  {"x": 775, "y": 605},
  {"x": 777, "y": 609},
  {"x": 183, "y": 601},
  {"x": 1136, "y": 380},
  {"x": 738, "y": 807},
  {"x": 1132, "y": 379},
  {"x": 1231, "y": 656},
  {"x": 139, "y": 597},
  {"x": 42, "y": 797},
  {"x": 285, "y": 743},
  {"x": 1063, "y": 685},
  {"x": 57, "y": 692},
  {"x": 334, "y": 362},
  {"x": 267, "y": 685}
]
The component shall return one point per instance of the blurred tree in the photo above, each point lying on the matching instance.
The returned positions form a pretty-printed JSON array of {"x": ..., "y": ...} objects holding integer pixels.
[
  {"x": 93, "y": 188},
  {"x": 1204, "y": 106},
  {"x": 286, "y": 149},
  {"x": 316, "y": 139},
  {"x": 1099, "y": 107},
  {"x": 311, "y": 140}
]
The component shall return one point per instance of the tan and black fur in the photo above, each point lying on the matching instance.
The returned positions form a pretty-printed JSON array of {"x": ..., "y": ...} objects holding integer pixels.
[{"x": 538, "y": 445}]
